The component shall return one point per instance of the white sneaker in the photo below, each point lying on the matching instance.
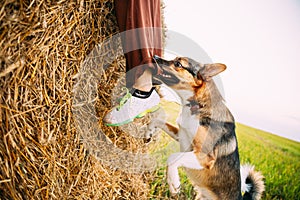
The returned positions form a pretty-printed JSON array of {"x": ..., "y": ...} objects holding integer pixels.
[{"x": 132, "y": 106}]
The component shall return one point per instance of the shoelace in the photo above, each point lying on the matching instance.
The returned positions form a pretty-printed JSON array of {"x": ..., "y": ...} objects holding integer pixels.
[{"x": 124, "y": 98}]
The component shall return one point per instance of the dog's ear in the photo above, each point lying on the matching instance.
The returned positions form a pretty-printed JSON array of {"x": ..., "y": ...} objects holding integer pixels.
[{"x": 210, "y": 70}]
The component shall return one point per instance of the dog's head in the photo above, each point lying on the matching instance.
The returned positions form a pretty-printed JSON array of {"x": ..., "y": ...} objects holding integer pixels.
[{"x": 184, "y": 73}]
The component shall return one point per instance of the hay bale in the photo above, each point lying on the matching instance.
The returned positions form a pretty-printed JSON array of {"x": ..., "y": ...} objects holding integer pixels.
[{"x": 42, "y": 46}]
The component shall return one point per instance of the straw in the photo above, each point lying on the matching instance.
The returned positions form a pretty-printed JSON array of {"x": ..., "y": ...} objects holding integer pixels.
[{"x": 42, "y": 47}]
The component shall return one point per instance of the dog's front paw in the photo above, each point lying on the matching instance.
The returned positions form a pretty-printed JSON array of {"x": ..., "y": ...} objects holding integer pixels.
[
  {"x": 153, "y": 129},
  {"x": 150, "y": 131}
]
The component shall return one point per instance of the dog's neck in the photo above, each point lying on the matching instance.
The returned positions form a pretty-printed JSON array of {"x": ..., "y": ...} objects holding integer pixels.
[
  {"x": 207, "y": 103},
  {"x": 185, "y": 96},
  {"x": 212, "y": 103}
]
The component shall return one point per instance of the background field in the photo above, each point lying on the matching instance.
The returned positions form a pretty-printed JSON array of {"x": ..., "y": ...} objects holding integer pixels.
[
  {"x": 276, "y": 157},
  {"x": 44, "y": 45}
]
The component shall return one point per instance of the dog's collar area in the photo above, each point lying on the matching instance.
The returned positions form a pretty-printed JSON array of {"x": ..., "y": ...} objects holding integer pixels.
[
  {"x": 191, "y": 104},
  {"x": 194, "y": 106}
]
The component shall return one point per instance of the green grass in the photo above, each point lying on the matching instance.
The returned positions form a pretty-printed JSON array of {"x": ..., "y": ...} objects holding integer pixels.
[{"x": 277, "y": 158}]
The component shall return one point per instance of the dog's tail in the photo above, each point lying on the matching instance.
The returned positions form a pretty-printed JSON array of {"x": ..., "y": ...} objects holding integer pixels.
[{"x": 252, "y": 183}]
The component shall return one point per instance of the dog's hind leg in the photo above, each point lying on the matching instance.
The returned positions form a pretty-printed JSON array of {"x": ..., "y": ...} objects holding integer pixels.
[{"x": 181, "y": 159}]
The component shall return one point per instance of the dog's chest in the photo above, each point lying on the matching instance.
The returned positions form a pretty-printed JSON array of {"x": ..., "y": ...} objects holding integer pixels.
[{"x": 188, "y": 125}]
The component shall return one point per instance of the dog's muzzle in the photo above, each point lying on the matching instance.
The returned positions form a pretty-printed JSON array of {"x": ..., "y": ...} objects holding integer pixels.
[{"x": 161, "y": 62}]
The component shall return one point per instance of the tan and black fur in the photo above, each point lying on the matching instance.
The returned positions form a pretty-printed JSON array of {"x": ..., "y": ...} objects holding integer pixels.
[{"x": 206, "y": 133}]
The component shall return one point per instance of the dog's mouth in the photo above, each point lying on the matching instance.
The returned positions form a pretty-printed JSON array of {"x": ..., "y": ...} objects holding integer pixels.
[{"x": 167, "y": 78}]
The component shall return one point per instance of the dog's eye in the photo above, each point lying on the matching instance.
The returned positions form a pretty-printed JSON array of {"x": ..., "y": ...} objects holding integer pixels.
[{"x": 178, "y": 64}]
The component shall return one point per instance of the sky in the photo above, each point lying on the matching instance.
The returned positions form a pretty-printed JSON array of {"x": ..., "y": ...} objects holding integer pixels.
[{"x": 259, "y": 41}]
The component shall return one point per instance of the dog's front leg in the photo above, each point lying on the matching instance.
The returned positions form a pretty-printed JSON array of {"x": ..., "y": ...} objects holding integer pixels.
[
  {"x": 170, "y": 129},
  {"x": 176, "y": 160}
]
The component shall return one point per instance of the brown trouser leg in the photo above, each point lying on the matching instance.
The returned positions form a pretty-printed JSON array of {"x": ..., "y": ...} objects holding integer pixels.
[{"x": 143, "y": 41}]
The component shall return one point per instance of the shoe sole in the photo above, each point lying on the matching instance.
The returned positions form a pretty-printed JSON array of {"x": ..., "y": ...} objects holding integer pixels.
[{"x": 142, "y": 114}]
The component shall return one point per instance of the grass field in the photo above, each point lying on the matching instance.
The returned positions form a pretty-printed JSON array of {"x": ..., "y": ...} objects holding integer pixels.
[{"x": 276, "y": 157}]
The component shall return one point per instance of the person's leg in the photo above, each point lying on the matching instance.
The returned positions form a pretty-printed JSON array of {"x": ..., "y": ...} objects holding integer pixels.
[
  {"x": 144, "y": 82},
  {"x": 140, "y": 27}
]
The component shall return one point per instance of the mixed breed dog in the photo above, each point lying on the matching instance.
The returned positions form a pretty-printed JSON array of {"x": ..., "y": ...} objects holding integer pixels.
[{"x": 206, "y": 134}]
